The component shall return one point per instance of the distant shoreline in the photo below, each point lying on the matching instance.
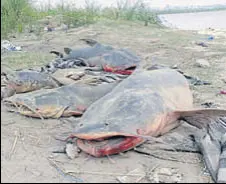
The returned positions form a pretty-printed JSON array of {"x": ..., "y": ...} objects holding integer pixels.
[
  {"x": 80, "y": 4},
  {"x": 190, "y": 10},
  {"x": 194, "y": 20}
]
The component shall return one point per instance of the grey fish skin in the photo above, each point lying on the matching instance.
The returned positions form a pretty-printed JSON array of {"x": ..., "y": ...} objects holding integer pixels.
[
  {"x": 135, "y": 100},
  {"x": 101, "y": 55},
  {"x": 88, "y": 52},
  {"x": 110, "y": 59},
  {"x": 151, "y": 103},
  {"x": 26, "y": 81},
  {"x": 36, "y": 77},
  {"x": 69, "y": 100},
  {"x": 212, "y": 144},
  {"x": 7, "y": 92},
  {"x": 120, "y": 58},
  {"x": 221, "y": 176}
]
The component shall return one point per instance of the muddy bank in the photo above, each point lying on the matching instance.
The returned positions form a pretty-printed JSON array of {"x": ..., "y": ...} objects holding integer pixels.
[{"x": 28, "y": 144}]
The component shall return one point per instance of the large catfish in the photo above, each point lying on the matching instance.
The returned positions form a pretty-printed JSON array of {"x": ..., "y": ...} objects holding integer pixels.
[
  {"x": 25, "y": 81},
  {"x": 65, "y": 101},
  {"x": 150, "y": 103},
  {"x": 121, "y": 61}
]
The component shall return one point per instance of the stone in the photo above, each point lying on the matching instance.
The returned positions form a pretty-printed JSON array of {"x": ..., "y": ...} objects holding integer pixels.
[
  {"x": 72, "y": 150},
  {"x": 202, "y": 63}
]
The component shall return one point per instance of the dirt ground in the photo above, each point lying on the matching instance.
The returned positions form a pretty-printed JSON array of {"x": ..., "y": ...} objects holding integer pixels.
[{"x": 27, "y": 144}]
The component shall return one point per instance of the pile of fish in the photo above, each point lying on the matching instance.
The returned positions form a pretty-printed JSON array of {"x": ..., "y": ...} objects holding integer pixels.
[
  {"x": 25, "y": 81},
  {"x": 137, "y": 104},
  {"x": 148, "y": 104},
  {"x": 94, "y": 63},
  {"x": 104, "y": 57},
  {"x": 69, "y": 100}
]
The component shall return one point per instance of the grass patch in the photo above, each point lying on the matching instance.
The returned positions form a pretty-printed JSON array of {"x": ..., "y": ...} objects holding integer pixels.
[
  {"x": 191, "y": 10},
  {"x": 16, "y": 15},
  {"x": 19, "y": 16}
]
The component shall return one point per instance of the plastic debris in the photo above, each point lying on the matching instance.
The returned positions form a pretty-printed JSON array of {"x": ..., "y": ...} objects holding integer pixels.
[
  {"x": 223, "y": 92},
  {"x": 64, "y": 27},
  {"x": 9, "y": 46},
  {"x": 203, "y": 63},
  {"x": 210, "y": 38},
  {"x": 195, "y": 80},
  {"x": 72, "y": 150},
  {"x": 48, "y": 28},
  {"x": 201, "y": 44},
  {"x": 208, "y": 104}
]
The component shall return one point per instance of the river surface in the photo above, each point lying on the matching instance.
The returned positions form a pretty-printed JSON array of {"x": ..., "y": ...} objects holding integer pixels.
[
  {"x": 195, "y": 21},
  {"x": 185, "y": 21}
]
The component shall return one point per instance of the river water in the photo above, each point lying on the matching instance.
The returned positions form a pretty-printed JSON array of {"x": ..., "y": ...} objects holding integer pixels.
[
  {"x": 185, "y": 21},
  {"x": 195, "y": 21}
]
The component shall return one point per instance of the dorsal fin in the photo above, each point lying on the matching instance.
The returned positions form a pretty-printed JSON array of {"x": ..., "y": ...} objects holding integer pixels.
[
  {"x": 67, "y": 50},
  {"x": 57, "y": 53},
  {"x": 90, "y": 42}
]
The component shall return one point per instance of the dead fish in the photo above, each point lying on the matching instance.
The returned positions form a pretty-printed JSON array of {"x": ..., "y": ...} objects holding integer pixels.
[
  {"x": 83, "y": 75},
  {"x": 65, "y": 101},
  {"x": 146, "y": 104},
  {"x": 212, "y": 144},
  {"x": 118, "y": 61},
  {"x": 121, "y": 61},
  {"x": 7, "y": 92},
  {"x": 85, "y": 53},
  {"x": 27, "y": 80},
  {"x": 59, "y": 63}
]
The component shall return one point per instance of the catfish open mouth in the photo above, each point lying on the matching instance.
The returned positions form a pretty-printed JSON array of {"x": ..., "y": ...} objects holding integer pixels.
[{"x": 100, "y": 147}]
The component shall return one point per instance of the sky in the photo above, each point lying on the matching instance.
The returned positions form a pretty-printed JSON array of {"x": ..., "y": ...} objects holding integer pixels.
[{"x": 153, "y": 3}]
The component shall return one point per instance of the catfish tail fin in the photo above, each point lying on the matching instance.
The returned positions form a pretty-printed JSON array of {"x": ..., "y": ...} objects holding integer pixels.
[
  {"x": 211, "y": 138},
  {"x": 202, "y": 118}
]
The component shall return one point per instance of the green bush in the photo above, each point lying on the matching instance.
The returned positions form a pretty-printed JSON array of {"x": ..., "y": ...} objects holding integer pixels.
[
  {"x": 18, "y": 15},
  {"x": 15, "y": 14},
  {"x": 132, "y": 12}
]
